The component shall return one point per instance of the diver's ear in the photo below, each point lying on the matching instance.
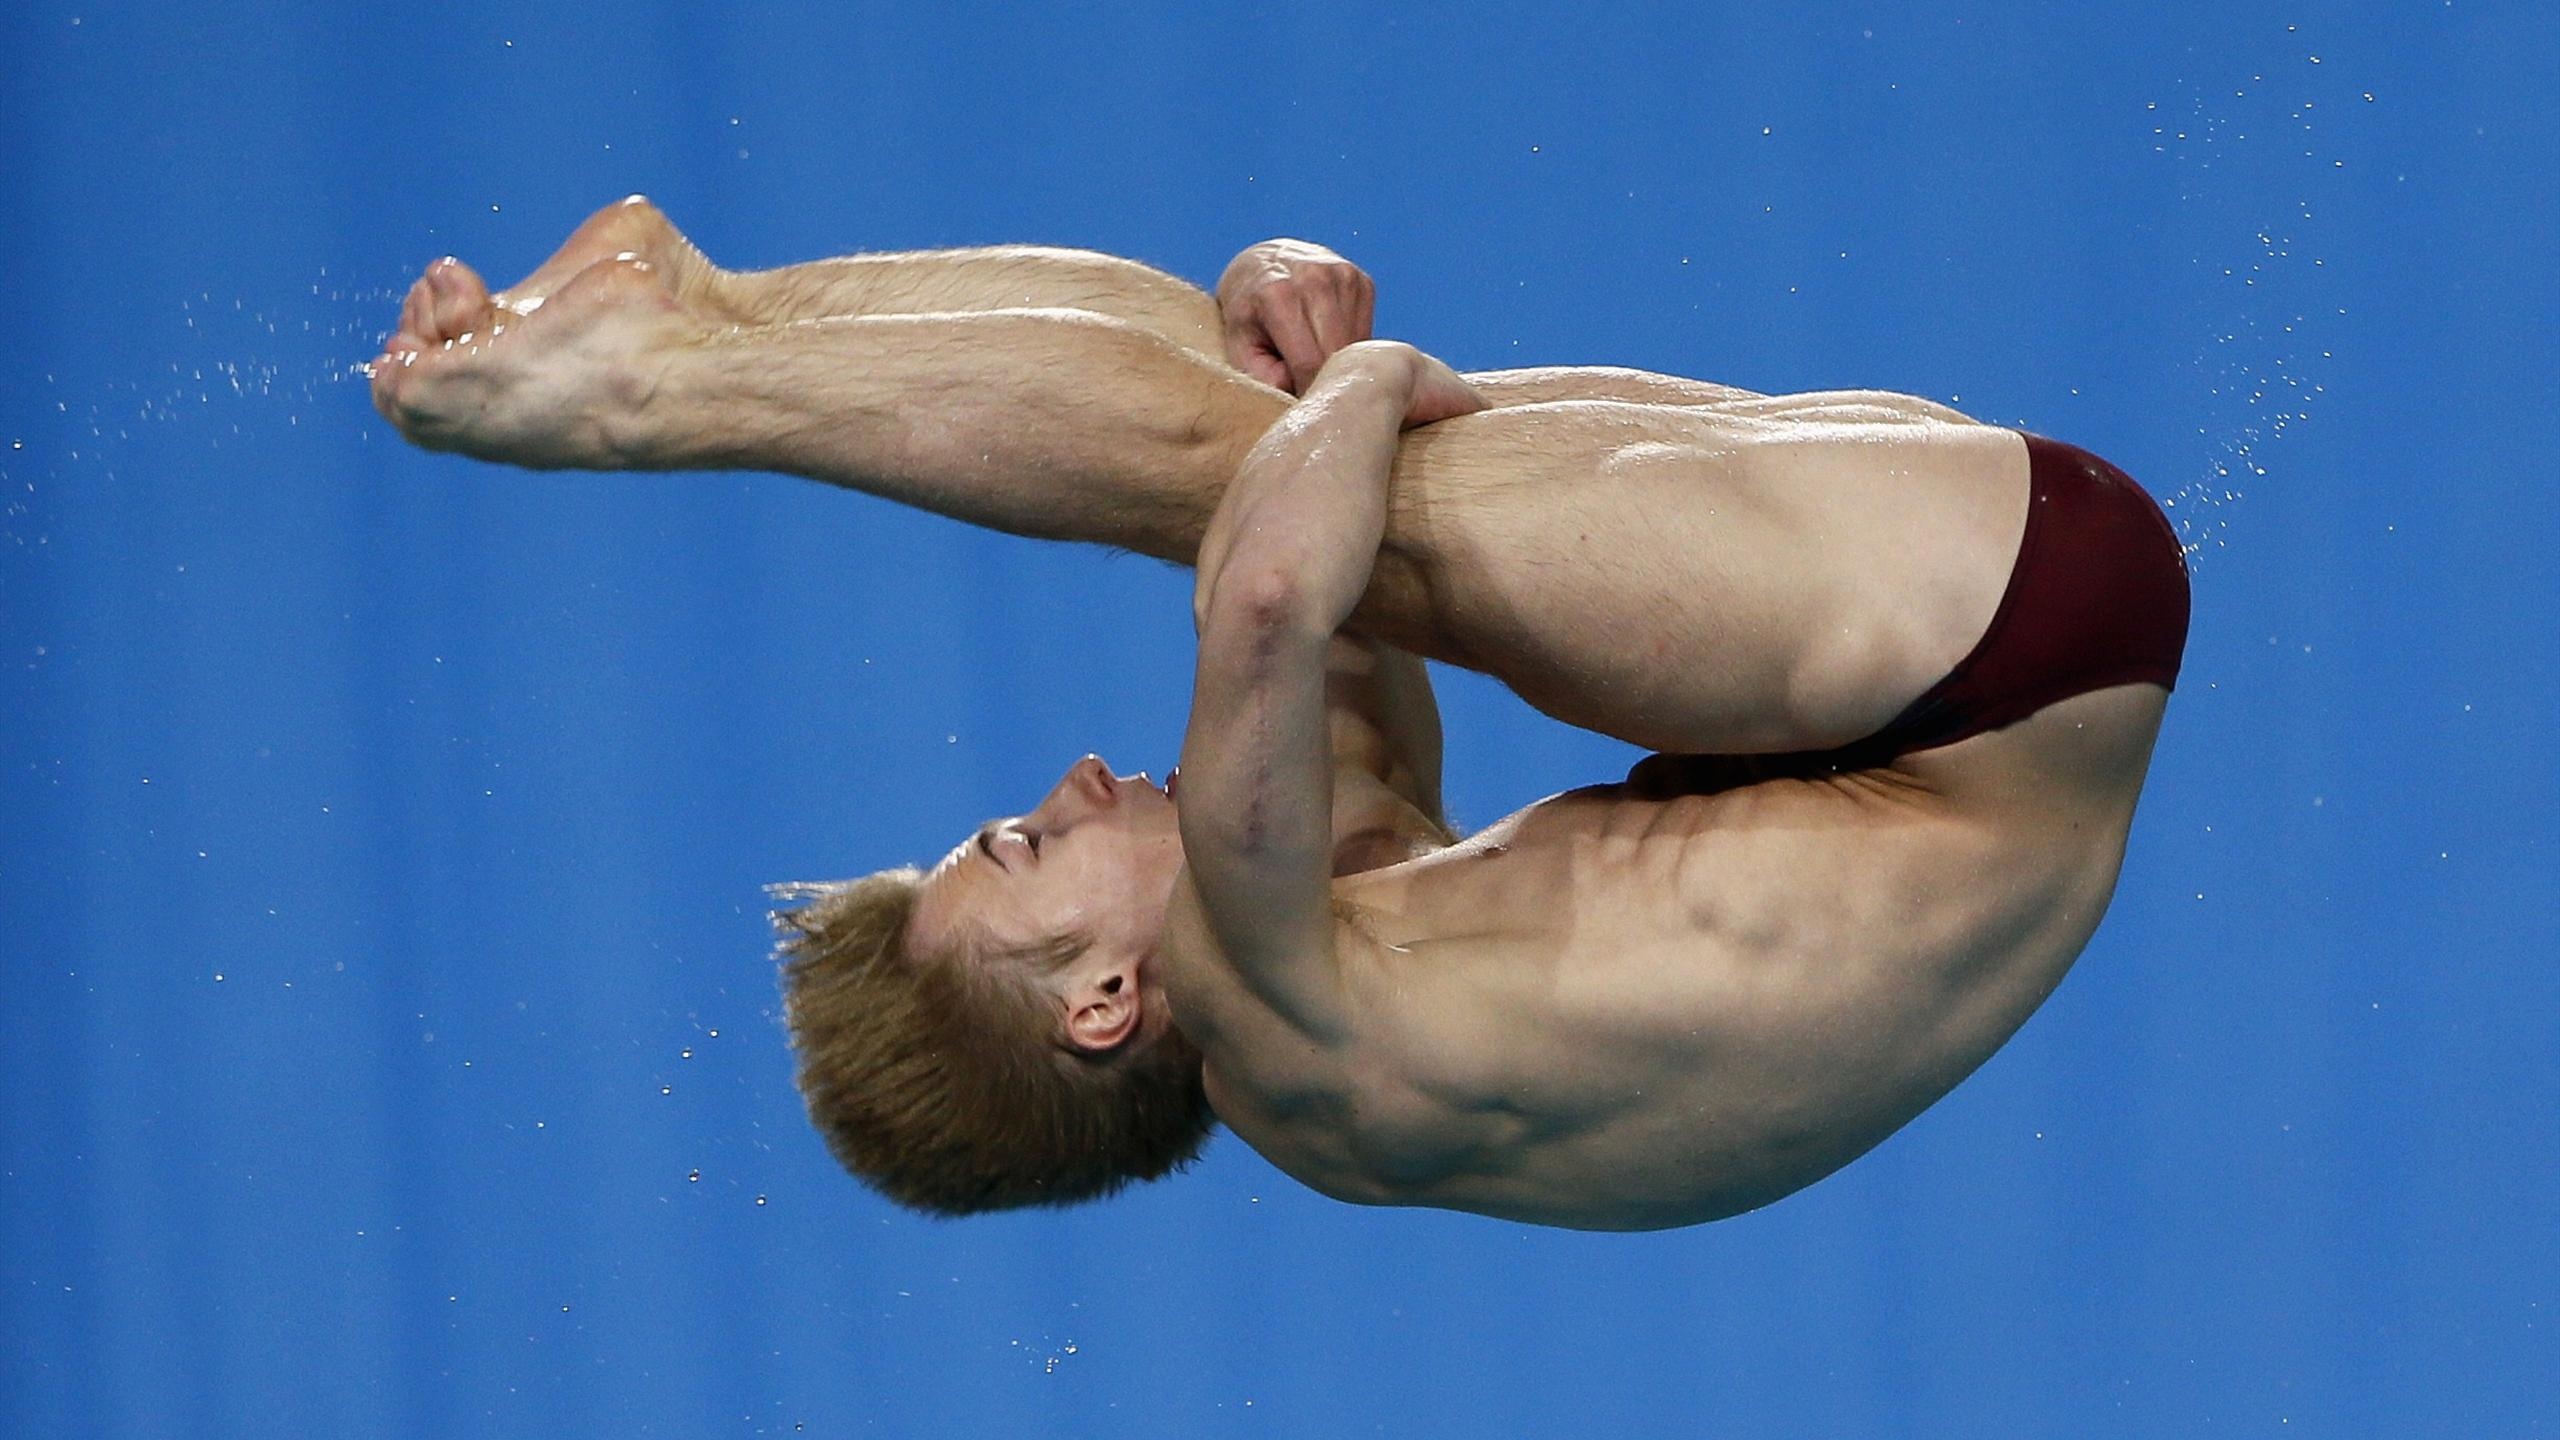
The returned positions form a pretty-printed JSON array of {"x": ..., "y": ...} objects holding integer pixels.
[{"x": 1102, "y": 1011}]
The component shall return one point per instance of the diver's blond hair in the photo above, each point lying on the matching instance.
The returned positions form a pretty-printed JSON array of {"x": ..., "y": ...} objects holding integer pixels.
[{"x": 945, "y": 1083}]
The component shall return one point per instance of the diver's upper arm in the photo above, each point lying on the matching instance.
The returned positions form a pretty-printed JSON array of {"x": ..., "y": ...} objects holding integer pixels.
[
  {"x": 1385, "y": 722},
  {"x": 1257, "y": 804}
]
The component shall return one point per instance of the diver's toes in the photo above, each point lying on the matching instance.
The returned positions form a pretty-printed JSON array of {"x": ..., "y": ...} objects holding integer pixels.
[
  {"x": 388, "y": 371},
  {"x": 417, "y": 311},
  {"x": 461, "y": 299}
]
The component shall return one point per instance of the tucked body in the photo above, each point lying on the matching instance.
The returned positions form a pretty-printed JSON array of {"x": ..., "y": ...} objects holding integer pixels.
[
  {"x": 1632, "y": 1005},
  {"x": 1668, "y": 1000}
]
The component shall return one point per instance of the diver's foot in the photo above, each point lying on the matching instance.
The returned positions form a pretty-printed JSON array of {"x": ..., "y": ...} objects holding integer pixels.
[
  {"x": 629, "y": 226},
  {"x": 562, "y": 383}
]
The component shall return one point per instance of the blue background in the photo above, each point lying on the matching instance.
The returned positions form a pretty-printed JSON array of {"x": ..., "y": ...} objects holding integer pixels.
[{"x": 388, "y": 1044}]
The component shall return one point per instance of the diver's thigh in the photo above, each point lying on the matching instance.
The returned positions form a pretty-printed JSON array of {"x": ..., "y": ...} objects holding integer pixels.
[{"x": 1686, "y": 582}]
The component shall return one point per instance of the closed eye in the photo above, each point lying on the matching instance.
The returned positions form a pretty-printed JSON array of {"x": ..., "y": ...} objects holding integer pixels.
[{"x": 988, "y": 837}]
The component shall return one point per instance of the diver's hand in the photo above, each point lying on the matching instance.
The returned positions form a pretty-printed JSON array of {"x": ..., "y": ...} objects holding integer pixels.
[
  {"x": 1287, "y": 306},
  {"x": 1439, "y": 393}
]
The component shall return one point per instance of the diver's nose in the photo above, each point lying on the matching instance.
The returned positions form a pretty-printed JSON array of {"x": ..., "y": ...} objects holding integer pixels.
[{"x": 1091, "y": 781}]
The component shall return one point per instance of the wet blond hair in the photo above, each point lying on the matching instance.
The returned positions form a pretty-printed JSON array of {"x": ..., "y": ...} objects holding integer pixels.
[{"x": 944, "y": 1081}]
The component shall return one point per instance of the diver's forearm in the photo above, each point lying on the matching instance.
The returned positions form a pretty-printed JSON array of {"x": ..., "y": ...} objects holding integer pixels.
[{"x": 1308, "y": 508}]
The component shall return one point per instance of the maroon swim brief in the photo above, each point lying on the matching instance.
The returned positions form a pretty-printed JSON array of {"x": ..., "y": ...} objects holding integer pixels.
[{"x": 2097, "y": 598}]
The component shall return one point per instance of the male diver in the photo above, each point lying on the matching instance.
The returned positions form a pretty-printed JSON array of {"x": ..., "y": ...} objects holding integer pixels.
[{"x": 1901, "y": 673}]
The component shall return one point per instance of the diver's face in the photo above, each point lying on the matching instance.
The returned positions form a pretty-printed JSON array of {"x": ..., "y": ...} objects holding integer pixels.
[{"x": 1097, "y": 856}]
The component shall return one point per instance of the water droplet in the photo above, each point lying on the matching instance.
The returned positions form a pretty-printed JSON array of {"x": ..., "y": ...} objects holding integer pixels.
[
  {"x": 759, "y": 1199},
  {"x": 693, "y": 1177},
  {"x": 685, "y": 1054}
]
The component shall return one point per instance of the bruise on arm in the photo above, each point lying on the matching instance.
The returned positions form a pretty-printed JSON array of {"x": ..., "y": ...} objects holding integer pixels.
[{"x": 1257, "y": 809}]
